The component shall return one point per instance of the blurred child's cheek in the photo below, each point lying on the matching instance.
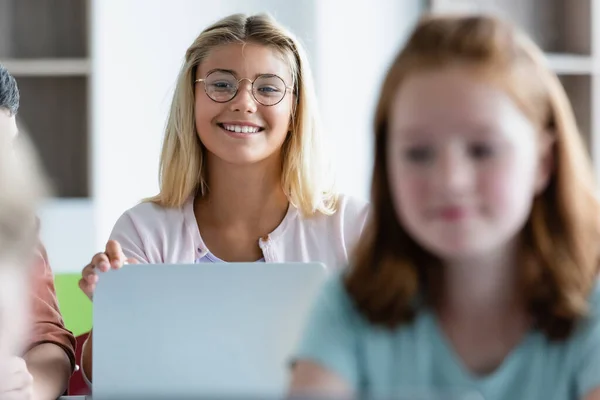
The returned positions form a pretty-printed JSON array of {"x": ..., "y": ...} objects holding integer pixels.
[
  {"x": 411, "y": 197},
  {"x": 507, "y": 191}
]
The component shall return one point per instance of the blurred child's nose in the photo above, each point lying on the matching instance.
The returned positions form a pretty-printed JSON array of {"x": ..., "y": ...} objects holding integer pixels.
[{"x": 455, "y": 172}]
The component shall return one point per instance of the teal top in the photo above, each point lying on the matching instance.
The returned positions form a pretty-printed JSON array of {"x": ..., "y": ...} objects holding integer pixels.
[{"x": 416, "y": 361}]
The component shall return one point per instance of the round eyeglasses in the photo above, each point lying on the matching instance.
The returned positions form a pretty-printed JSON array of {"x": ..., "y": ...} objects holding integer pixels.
[{"x": 223, "y": 86}]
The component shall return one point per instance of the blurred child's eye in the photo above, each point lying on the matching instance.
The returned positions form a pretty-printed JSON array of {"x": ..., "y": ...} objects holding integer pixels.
[
  {"x": 419, "y": 154},
  {"x": 222, "y": 86},
  {"x": 481, "y": 150}
]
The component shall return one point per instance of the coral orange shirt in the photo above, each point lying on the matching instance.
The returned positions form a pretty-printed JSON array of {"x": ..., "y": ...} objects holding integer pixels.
[{"x": 47, "y": 322}]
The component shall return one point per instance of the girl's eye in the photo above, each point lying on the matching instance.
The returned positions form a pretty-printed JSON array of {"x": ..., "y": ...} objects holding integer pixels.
[{"x": 420, "y": 154}]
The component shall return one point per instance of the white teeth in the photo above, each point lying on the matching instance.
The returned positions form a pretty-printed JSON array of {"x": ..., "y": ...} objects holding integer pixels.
[{"x": 241, "y": 128}]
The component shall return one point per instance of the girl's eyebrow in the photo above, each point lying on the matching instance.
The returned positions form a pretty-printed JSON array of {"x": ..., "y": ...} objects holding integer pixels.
[{"x": 236, "y": 74}]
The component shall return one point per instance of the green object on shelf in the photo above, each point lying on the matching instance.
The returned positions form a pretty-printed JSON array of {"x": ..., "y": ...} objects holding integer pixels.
[{"x": 75, "y": 307}]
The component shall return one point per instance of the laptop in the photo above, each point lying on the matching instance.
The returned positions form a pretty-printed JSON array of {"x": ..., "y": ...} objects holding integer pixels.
[{"x": 203, "y": 330}]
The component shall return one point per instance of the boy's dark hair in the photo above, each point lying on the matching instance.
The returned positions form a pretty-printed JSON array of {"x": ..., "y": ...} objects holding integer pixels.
[{"x": 9, "y": 92}]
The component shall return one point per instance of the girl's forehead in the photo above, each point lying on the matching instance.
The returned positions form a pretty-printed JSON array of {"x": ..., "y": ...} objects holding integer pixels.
[
  {"x": 444, "y": 102},
  {"x": 246, "y": 60}
]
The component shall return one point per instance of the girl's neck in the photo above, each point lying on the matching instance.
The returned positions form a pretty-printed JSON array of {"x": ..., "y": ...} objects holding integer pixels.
[
  {"x": 477, "y": 287},
  {"x": 243, "y": 195}
]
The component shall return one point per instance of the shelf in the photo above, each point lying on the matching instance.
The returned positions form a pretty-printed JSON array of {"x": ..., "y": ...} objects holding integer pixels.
[
  {"x": 562, "y": 26},
  {"x": 579, "y": 90},
  {"x": 54, "y": 113},
  {"x": 35, "y": 29},
  {"x": 570, "y": 64},
  {"x": 45, "y": 45},
  {"x": 48, "y": 67}
]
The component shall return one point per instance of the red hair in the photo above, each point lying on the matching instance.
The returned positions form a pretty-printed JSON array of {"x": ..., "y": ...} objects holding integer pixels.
[{"x": 561, "y": 239}]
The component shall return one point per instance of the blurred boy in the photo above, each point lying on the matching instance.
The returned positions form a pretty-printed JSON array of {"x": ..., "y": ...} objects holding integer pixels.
[{"x": 46, "y": 360}]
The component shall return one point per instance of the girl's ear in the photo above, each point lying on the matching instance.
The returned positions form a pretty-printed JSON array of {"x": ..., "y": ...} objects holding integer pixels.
[
  {"x": 293, "y": 115},
  {"x": 546, "y": 161}
]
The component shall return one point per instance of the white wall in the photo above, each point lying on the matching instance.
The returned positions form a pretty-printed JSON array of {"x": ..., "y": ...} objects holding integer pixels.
[
  {"x": 356, "y": 44},
  {"x": 137, "y": 48},
  {"x": 68, "y": 232}
]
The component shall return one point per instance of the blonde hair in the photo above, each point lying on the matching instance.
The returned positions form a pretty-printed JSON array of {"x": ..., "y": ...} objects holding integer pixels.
[
  {"x": 306, "y": 177},
  {"x": 560, "y": 242}
]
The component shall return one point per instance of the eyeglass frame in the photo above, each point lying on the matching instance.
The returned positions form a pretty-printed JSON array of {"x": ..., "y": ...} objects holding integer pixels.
[{"x": 237, "y": 88}]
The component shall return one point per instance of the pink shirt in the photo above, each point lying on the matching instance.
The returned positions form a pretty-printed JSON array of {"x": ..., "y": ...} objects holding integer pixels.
[{"x": 157, "y": 235}]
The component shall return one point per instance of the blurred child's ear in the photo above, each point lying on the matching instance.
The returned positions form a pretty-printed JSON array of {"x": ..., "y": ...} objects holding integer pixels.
[{"x": 546, "y": 161}]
